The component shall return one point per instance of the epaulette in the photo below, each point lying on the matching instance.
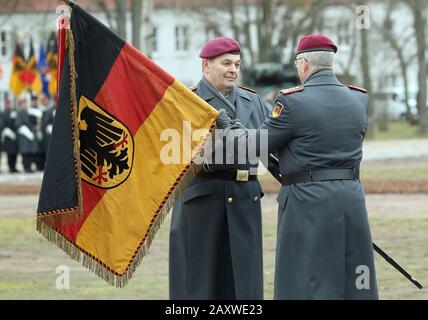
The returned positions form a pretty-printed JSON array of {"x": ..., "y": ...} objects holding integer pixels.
[
  {"x": 248, "y": 89},
  {"x": 357, "y": 88},
  {"x": 286, "y": 92}
]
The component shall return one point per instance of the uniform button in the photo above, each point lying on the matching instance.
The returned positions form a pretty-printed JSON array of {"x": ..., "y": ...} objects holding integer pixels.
[
  {"x": 256, "y": 198},
  {"x": 230, "y": 200}
]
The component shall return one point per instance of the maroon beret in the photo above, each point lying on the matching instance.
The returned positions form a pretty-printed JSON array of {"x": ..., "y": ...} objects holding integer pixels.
[
  {"x": 316, "y": 42},
  {"x": 219, "y": 46}
]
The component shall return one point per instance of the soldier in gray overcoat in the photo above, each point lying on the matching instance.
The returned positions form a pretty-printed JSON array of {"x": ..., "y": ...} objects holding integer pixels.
[
  {"x": 324, "y": 245},
  {"x": 215, "y": 247},
  {"x": 27, "y": 127}
]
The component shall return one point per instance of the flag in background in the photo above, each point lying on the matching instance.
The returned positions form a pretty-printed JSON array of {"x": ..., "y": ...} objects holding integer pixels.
[
  {"x": 44, "y": 70},
  {"x": 52, "y": 62},
  {"x": 31, "y": 75},
  {"x": 16, "y": 83},
  {"x": 105, "y": 190}
]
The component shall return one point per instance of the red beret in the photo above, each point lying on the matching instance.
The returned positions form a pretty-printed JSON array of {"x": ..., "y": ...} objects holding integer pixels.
[
  {"x": 316, "y": 42},
  {"x": 219, "y": 46}
]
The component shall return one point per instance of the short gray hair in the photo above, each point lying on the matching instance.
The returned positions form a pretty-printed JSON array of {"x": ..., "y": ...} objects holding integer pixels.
[{"x": 318, "y": 59}]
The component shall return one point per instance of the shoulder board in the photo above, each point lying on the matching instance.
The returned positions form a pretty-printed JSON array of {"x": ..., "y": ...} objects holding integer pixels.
[
  {"x": 286, "y": 92},
  {"x": 248, "y": 89},
  {"x": 193, "y": 89},
  {"x": 357, "y": 88}
]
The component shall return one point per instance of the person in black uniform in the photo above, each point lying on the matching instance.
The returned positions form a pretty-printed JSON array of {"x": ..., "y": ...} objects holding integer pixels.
[
  {"x": 324, "y": 244},
  {"x": 9, "y": 135},
  {"x": 26, "y": 122}
]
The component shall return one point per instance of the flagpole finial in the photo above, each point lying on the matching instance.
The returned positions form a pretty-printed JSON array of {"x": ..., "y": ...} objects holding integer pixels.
[{"x": 71, "y": 3}]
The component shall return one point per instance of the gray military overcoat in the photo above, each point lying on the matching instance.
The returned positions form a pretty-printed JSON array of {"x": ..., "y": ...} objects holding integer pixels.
[
  {"x": 323, "y": 241},
  {"x": 215, "y": 249}
]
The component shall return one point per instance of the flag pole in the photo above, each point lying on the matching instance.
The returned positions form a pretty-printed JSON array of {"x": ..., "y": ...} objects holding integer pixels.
[{"x": 70, "y": 3}]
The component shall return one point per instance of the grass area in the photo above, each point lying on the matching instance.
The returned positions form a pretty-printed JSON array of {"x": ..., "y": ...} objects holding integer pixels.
[
  {"x": 393, "y": 172},
  {"x": 28, "y": 262},
  {"x": 407, "y": 169},
  {"x": 397, "y": 131}
]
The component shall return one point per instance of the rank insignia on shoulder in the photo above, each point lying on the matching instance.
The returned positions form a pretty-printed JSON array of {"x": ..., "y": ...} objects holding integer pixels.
[
  {"x": 357, "y": 88},
  {"x": 277, "y": 109},
  {"x": 286, "y": 92},
  {"x": 248, "y": 89}
]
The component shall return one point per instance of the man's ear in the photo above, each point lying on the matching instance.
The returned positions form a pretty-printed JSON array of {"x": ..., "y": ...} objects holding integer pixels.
[{"x": 205, "y": 66}]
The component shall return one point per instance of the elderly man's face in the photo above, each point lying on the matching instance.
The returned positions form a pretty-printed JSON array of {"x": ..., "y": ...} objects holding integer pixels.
[{"x": 222, "y": 72}]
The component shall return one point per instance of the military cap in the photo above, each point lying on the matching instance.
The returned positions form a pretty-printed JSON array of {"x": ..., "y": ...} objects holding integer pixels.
[
  {"x": 218, "y": 46},
  {"x": 316, "y": 42}
]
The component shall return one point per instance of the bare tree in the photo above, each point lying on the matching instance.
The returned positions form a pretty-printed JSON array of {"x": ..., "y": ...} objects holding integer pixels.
[
  {"x": 274, "y": 22},
  {"x": 418, "y": 8},
  {"x": 365, "y": 69},
  {"x": 121, "y": 18},
  {"x": 117, "y": 18},
  {"x": 136, "y": 15},
  {"x": 386, "y": 31}
]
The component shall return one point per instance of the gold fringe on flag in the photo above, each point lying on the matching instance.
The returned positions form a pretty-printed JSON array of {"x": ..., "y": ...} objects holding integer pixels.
[{"x": 69, "y": 215}]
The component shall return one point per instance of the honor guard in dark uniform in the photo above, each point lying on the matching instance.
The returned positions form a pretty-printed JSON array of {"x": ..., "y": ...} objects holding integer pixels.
[
  {"x": 36, "y": 111},
  {"x": 46, "y": 128},
  {"x": 9, "y": 136},
  {"x": 216, "y": 232},
  {"x": 324, "y": 245},
  {"x": 27, "y": 124}
]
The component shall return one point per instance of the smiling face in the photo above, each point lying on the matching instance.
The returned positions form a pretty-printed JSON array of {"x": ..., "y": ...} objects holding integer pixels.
[{"x": 222, "y": 72}]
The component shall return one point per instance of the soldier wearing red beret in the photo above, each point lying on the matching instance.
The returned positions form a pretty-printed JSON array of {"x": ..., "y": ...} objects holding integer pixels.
[
  {"x": 324, "y": 244},
  {"x": 216, "y": 233}
]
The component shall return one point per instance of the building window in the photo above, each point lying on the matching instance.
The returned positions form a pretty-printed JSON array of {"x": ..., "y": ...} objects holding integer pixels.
[
  {"x": 182, "y": 39},
  {"x": 3, "y": 44}
]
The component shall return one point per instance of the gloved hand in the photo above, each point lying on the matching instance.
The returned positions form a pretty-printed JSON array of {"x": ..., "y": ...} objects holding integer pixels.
[{"x": 224, "y": 120}]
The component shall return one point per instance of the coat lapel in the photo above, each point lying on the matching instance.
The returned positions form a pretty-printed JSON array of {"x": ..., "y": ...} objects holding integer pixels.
[
  {"x": 244, "y": 106},
  {"x": 205, "y": 93}
]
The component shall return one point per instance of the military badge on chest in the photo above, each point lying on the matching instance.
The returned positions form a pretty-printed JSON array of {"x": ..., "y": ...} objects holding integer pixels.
[
  {"x": 106, "y": 146},
  {"x": 277, "y": 110}
]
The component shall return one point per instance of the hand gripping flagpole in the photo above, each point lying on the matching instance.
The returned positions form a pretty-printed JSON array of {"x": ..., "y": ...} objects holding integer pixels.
[{"x": 384, "y": 255}]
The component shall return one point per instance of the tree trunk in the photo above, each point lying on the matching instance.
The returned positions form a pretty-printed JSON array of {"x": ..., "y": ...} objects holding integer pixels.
[
  {"x": 136, "y": 13},
  {"x": 121, "y": 18},
  {"x": 367, "y": 80},
  {"x": 264, "y": 33},
  {"x": 233, "y": 24},
  {"x": 419, "y": 25}
]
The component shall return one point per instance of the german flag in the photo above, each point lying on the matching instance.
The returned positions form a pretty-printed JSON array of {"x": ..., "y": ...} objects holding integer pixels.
[
  {"x": 16, "y": 84},
  {"x": 106, "y": 188},
  {"x": 31, "y": 76},
  {"x": 52, "y": 61}
]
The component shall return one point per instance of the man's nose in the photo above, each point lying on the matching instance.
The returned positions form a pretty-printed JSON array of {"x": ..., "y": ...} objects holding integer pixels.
[{"x": 233, "y": 69}]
